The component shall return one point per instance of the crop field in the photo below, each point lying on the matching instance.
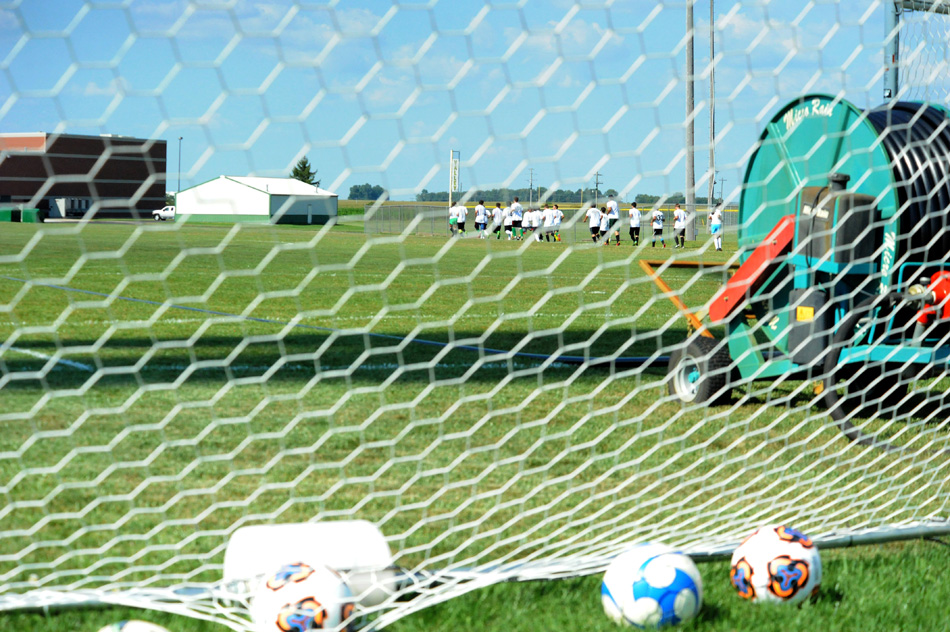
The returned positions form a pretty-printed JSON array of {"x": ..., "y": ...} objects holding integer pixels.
[{"x": 163, "y": 384}]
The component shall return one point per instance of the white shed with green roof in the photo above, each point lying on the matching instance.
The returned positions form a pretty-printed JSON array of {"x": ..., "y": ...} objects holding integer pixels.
[{"x": 257, "y": 199}]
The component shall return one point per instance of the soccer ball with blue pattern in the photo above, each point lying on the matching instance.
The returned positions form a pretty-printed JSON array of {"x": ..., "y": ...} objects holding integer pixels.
[
  {"x": 651, "y": 585},
  {"x": 778, "y": 564},
  {"x": 300, "y": 597}
]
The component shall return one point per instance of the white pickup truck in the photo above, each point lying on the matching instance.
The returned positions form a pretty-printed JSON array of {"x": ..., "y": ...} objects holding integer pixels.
[{"x": 166, "y": 213}]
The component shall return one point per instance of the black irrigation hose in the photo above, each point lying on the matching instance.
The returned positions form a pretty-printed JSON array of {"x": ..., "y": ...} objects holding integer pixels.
[
  {"x": 916, "y": 136},
  {"x": 832, "y": 367}
]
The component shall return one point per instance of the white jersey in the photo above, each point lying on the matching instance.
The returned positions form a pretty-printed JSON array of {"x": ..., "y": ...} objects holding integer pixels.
[
  {"x": 658, "y": 219},
  {"x": 496, "y": 214},
  {"x": 548, "y": 216},
  {"x": 679, "y": 218},
  {"x": 635, "y": 217},
  {"x": 517, "y": 211},
  {"x": 604, "y": 221},
  {"x": 481, "y": 214},
  {"x": 613, "y": 210},
  {"x": 506, "y": 215},
  {"x": 593, "y": 214},
  {"x": 537, "y": 218},
  {"x": 558, "y": 216},
  {"x": 715, "y": 217}
]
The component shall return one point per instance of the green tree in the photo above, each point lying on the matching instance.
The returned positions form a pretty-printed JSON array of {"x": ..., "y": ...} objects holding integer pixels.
[
  {"x": 304, "y": 173},
  {"x": 366, "y": 192}
]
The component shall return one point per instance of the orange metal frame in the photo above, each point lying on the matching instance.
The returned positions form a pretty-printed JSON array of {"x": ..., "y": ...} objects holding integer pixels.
[{"x": 648, "y": 266}]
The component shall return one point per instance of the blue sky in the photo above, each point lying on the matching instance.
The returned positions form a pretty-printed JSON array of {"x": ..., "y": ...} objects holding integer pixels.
[{"x": 380, "y": 91}]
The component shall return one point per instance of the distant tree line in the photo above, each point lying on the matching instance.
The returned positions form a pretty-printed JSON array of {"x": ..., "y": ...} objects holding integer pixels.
[{"x": 558, "y": 196}]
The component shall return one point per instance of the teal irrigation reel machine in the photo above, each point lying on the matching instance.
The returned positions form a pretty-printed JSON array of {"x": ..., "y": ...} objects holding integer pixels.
[{"x": 844, "y": 280}]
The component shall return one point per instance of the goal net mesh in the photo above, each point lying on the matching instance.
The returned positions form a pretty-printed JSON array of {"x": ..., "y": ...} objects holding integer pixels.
[
  {"x": 924, "y": 74},
  {"x": 497, "y": 408}
]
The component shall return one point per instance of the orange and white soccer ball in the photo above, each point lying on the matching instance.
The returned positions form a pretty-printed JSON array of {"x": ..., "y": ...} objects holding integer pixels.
[
  {"x": 299, "y": 597},
  {"x": 778, "y": 564}
]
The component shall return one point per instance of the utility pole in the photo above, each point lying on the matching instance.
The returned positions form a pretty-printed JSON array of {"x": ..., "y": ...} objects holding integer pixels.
[
  {"x": 712, "y": 104},
  {"x": 892, "y": 47},
  {"x": 530, "y": 187},
  {"x": 690, "y": 126},
  {"x": 177, "y": 190},
  {"x": 596, "y": 188}
]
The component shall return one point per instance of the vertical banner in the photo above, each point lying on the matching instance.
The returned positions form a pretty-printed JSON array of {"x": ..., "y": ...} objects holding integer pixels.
[{"x": 453, "y": 174}]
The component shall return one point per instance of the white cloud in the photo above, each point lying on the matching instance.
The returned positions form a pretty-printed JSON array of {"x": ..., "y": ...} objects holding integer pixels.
[{"x": 114, "y": 87}]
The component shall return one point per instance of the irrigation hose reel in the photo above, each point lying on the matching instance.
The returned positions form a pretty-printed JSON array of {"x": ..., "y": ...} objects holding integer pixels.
[{"x": 844, "y": 241}]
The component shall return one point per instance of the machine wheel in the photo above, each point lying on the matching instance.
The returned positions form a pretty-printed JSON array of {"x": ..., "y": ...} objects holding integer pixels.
[
  {"x": 869, "y": 390},
  {"x": 699, "y": 372},
  {"x": 156, "y": 218}
]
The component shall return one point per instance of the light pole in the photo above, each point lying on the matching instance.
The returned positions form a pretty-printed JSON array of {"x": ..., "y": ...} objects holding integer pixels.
[{"x": 179, "y": 173}]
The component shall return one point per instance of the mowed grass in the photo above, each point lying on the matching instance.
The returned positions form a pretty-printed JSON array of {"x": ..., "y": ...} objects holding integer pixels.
[
  {"x": 897, "y": 586},
  {"x": 164, "y": 385}
]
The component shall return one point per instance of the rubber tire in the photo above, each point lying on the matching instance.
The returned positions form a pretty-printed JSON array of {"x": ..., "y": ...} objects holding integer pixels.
[
  {"x": 156, "y": 218},
  {"x": 699, "y": 372},
  {"x": 874, "y": 379}
]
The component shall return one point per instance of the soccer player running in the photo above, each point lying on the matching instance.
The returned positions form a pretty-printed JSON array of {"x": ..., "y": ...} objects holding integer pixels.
[
  {"x": 506, "y": 217},
  {"x": 453, "y": 220},
  {"x": 635, "y": 224},
  {"x": 658, "y": 227},
  {"x": 604, "y": 226},
  {"x": 535, "y": 223},
  {"x": 481, "y": 219},
  {"x": 496, "y": 220},
  {"x": 461, "y": 212},
  {"x": 593, "y": 215},
  {"x": 715, "y": 225},
  {"x": 558, "y": 216},
  {"x": 679, "y": 227},
  {"x": 517, "y": 215},
  {"x": 613, "y": 217},
  {"x": 547, "y": 219}
]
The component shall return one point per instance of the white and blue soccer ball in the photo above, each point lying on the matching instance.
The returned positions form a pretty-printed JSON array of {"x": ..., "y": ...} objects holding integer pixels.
[
  {"x": 778, "y": 564},
  {"x": 651, "y": 585},
  {"x": 299, "y": 597}
]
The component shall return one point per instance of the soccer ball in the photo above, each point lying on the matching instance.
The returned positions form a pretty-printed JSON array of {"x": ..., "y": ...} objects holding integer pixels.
[
  {"x": 299, "y": 597},
  {"x": 133, "y": 625},
  {"x": 651, "y": 585},
  {"x": 776, "y": 563}
]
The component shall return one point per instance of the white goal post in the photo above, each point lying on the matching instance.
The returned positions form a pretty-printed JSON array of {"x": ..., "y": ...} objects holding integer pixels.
[{"x": 183, "y": 401}]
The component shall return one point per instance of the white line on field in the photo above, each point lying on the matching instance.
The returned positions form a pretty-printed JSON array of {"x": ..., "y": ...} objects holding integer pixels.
[{"x": 43, "y": 356}]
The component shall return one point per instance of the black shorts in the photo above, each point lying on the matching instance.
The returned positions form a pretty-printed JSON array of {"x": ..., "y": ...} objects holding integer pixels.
[
  {"x": 516, "y": 223},
  {"x": 680, "y": 232},
  {"x": 461, "y": 225},
  {"x": 480, "y": 225},
  {"x": 497, "y": 228},
  {"x": 634, "y": 231},
  {"x": 595, "y": 230},
  {"x": 657, "y": 232}
]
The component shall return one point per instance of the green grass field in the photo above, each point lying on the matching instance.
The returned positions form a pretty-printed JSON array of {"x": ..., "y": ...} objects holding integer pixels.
[{"x": 164, "y": 384}]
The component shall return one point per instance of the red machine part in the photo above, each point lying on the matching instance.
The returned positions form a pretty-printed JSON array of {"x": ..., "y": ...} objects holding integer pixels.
[
  {"x": 753, "y": 273},
  {"x": 938, "y": 307}
]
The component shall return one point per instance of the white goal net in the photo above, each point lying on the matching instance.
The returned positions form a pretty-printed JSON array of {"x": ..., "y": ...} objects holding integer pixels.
[{"x": 519, "y": 404}]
